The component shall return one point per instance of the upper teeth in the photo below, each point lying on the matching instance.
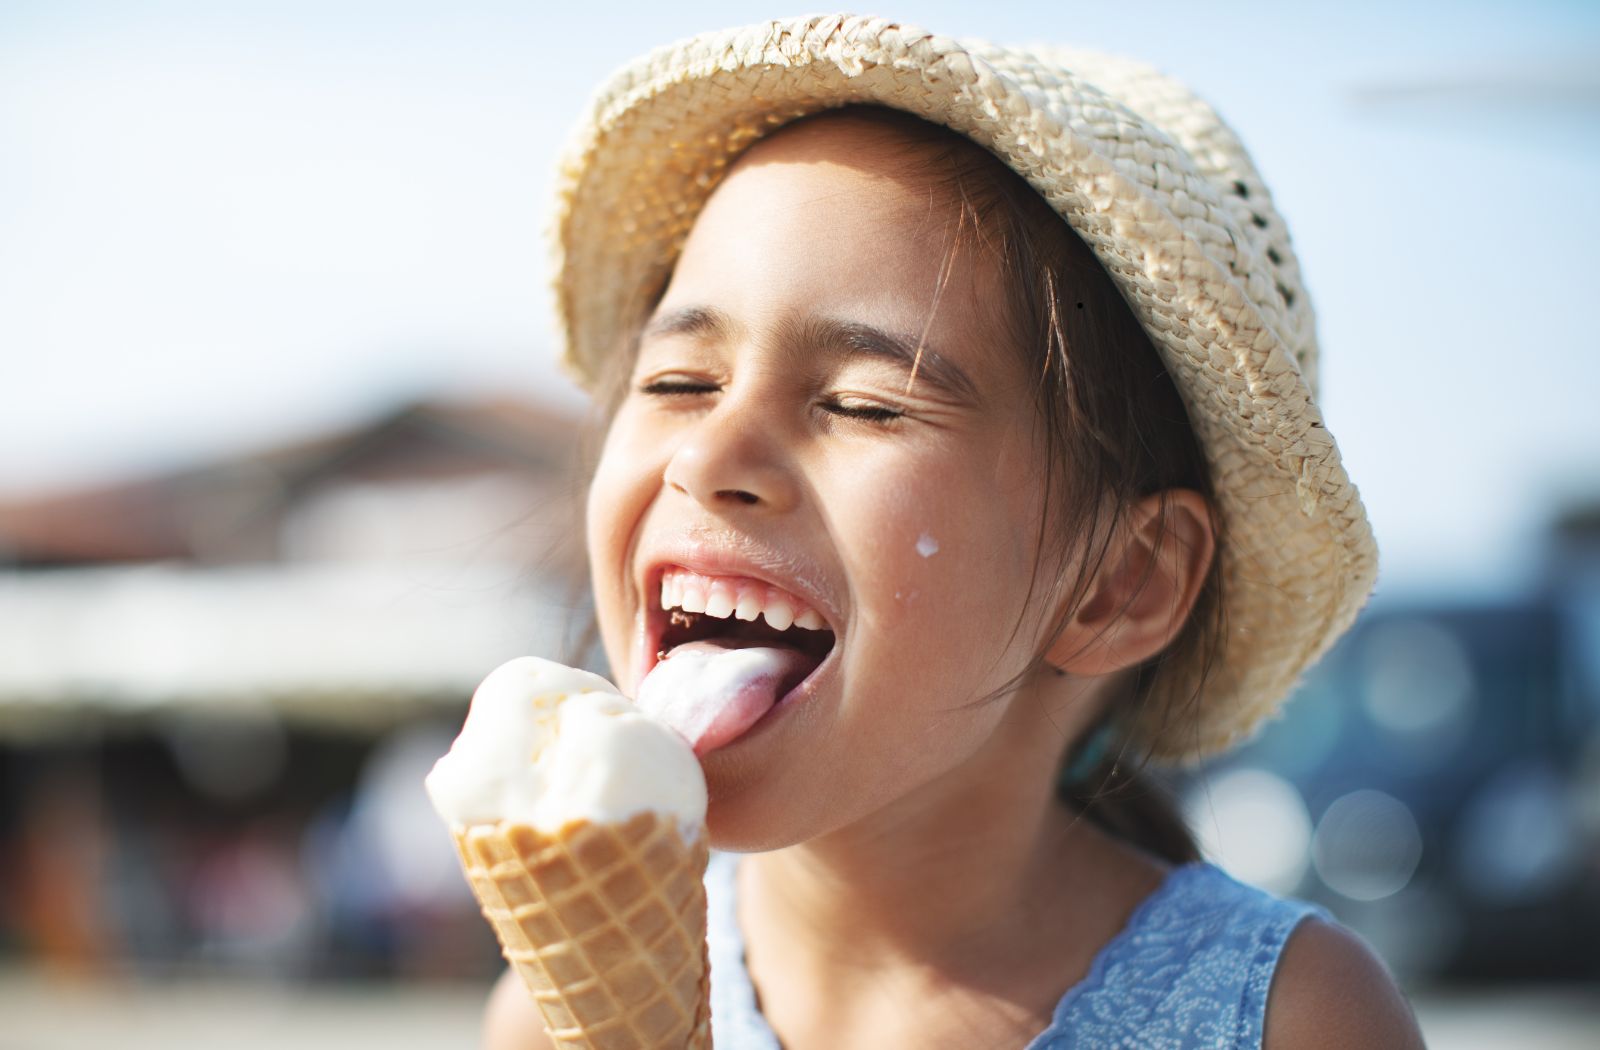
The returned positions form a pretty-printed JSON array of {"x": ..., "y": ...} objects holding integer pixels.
[{"x": 725, "y": 596}]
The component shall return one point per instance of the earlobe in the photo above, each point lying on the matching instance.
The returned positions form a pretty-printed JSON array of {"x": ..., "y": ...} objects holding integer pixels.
[{"x": 1147, "y": 583}]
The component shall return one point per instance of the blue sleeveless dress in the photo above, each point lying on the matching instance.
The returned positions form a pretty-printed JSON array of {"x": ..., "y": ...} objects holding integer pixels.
[{"x": 1190, "y": 970}]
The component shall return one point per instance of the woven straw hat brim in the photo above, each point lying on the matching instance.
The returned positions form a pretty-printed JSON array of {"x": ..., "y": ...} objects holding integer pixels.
[{"x": 1145, "y": 173}]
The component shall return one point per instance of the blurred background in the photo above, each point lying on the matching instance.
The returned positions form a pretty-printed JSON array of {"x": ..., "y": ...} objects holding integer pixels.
[{"x": 285, "y": 467}]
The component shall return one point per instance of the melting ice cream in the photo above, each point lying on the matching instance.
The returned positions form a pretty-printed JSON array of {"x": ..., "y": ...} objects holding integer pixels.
[{"x": 546, "y": 745}]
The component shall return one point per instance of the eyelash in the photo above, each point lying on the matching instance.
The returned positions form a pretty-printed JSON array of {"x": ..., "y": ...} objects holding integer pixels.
[
  {"x": 869, "y": 414},
  {"x": 866, "y": 413}
]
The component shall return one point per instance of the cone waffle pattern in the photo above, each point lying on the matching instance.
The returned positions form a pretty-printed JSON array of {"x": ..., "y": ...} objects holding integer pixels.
[{"x": 606, "y": 923}]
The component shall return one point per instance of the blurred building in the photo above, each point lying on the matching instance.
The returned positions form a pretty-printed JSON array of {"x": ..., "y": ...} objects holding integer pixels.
[{"x": 220, "y": 688}]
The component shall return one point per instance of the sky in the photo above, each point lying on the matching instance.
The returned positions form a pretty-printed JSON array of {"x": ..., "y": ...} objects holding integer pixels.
[{"x": 222, "y": 224}]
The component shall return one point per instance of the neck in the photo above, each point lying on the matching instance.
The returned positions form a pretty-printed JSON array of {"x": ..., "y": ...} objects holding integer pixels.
[{"x": 936, "y": 881}]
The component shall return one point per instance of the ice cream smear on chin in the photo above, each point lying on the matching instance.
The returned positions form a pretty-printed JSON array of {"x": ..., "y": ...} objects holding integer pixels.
[
  {"x": 711, "y": 691},
  {"x": 547, "y": 745}
]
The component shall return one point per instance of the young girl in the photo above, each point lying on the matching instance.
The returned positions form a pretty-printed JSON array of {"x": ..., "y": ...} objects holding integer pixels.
[{"x": 977, "y": 382}]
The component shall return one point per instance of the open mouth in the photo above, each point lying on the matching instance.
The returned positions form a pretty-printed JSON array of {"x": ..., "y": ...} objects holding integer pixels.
[
  {"x": 743, "y": 620},
  {"x": 724, "y": 651}
]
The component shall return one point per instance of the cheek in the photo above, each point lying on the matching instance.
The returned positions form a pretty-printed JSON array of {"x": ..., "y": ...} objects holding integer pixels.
[
  {"x": 619, "y": 494},
  {"x": 605, "y": 498},
  {"x": 625, "y": 480},
  {"x": 943, "y": 559},
  {"x": 936, "y": 554}
]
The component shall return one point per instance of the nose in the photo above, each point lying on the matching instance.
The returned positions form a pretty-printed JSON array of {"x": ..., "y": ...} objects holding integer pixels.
[{"x": 732, "y": 456}]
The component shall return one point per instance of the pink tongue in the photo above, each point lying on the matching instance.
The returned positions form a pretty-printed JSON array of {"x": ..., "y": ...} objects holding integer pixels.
[{"x": 711, "y": 692}]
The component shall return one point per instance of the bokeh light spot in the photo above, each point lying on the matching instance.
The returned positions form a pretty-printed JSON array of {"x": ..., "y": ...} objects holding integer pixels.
[
  {"x": 1367, "y": 846},
  {"x": 1254, "y": 825}
]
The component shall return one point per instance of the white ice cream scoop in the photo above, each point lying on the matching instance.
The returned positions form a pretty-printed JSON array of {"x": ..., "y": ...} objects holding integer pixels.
[{"x": 547, "y": 745}]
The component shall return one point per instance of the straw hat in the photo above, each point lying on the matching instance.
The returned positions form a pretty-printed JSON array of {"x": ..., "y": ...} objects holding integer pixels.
[{"x": 1149, "y": 177}]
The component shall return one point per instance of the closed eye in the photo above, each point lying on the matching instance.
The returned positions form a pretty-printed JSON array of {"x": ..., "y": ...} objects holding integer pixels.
[
  {"x": 870, "y": 413},
  {"x": 670, "y": 387}
]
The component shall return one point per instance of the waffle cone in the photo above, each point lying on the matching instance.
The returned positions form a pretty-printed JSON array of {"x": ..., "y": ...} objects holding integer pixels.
[{"x": 606, "y": 923}]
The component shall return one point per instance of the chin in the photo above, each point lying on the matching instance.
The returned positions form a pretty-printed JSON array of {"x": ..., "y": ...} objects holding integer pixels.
[
  {"x": 764, "y": 817},
  {"x": 756, "y": 820},
  {"x": 737, "y": 829}
]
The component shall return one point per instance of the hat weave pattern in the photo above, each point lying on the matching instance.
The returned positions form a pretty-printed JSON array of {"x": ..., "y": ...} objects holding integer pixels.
[{"x": 1144, "y": 172}]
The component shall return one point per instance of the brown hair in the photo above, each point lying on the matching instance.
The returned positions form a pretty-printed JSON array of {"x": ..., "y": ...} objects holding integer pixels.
[{"x": 1115, "y": 430}]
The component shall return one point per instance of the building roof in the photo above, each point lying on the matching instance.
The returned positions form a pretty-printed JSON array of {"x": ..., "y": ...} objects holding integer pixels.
[
  {"x": 361, "y": 645},
  {"x": 355, "y": 577},
  {"x": 179, "y": 514}
]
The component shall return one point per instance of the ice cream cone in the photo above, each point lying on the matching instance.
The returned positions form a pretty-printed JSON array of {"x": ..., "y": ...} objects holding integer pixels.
[
  {"x": 606, "y": 923},
  {"x": 580, "y": 823}
]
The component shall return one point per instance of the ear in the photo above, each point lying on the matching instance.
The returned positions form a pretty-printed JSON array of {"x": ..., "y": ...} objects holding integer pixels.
[{"x": 1144, "y": 589}]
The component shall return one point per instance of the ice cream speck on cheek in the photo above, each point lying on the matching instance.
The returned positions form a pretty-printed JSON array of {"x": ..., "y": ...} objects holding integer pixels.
[
  {"x": 546, "y": 745},
  {"x": 927, "y": 546}
]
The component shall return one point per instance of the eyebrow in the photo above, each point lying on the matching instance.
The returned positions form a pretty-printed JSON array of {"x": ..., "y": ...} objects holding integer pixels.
[
  {"x": 688, "y": 320},
  {"x": 833, "y": 336}
]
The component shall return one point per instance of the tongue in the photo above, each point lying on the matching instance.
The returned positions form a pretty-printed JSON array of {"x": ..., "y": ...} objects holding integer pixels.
[{"x": 711, "y": 692}]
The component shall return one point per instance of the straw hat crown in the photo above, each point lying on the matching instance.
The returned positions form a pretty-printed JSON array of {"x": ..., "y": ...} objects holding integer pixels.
[{"x": 1147, "y": 175}]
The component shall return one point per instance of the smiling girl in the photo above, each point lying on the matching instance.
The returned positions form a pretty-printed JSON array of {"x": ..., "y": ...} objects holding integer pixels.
[{"x": 959, "y": 400}]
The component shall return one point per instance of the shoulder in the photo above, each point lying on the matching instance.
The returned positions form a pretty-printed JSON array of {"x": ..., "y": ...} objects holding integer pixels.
[
  {"x": 1330, "y": 990},
  {"x": 511, "y": 1021}
]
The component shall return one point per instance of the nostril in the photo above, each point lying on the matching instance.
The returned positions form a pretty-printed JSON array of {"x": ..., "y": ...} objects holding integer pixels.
[{"x": 741, "y": 495}]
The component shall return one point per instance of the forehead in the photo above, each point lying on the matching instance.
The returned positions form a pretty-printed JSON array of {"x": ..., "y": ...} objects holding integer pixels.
[{"x": 836, "y": 218}]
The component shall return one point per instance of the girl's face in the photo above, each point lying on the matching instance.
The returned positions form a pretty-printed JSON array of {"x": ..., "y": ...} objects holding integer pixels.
[{"x": 773, "y": 432}]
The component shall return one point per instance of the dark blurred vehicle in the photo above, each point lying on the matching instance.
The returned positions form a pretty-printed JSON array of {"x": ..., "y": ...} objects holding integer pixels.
[{"x": 1436, "y": 784}]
